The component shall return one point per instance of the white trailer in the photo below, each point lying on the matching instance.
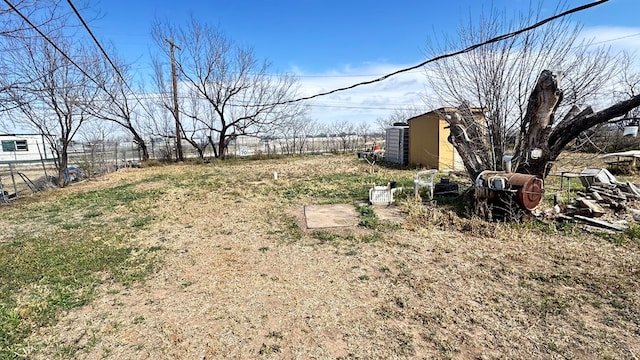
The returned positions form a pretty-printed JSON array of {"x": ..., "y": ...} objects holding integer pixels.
[{"x": 24, "y": 148}]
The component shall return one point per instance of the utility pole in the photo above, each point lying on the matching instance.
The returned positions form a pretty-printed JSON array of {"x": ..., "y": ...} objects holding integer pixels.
[{"x": 176, "y": 114}]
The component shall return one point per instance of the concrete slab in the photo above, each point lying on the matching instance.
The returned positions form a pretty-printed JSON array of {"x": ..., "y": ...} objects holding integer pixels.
[{"x": 328, "y": 216}]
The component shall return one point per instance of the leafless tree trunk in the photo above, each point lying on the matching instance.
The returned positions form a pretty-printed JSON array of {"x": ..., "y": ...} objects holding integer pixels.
[
  {"x": 500, "y": 77},
  {"x": 308, "y": 129},
  {"x": 363, "y": 130},
  {"x": 542, "y": 141}
]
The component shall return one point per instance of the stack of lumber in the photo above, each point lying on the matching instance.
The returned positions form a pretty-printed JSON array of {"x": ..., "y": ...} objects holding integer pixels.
[{"x": 602, "y": 205}]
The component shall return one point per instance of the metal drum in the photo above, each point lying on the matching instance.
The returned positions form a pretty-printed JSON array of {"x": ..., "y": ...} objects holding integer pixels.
[{"x": 528, "y": 189}]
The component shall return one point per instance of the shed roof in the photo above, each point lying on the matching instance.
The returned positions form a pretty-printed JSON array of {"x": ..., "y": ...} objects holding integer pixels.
[{"x": 449, "y": 110}]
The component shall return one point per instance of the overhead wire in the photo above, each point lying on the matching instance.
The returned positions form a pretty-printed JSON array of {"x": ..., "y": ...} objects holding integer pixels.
[
  {"x": 47, "y": 39},
  {"x": 66, "y": 56},
  {"x": 86, "y": 26},
  {"x": 613, "y": 39},
  {"x": 451, "y": 54},
  {"x": 104, "y": 53},
  {"x": 368, "y": 82}
]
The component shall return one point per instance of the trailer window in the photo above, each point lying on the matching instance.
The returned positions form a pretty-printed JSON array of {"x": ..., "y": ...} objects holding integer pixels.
[
  {"x": 14, "y": 145},
  {"x": 8, "y": 145}
]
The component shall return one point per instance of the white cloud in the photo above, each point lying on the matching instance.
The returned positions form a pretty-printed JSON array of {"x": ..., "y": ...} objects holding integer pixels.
[
  {"x": 406, "y": 90},
  {"x": 365, "y": 102},
  {"x": 618, "y": 37}
]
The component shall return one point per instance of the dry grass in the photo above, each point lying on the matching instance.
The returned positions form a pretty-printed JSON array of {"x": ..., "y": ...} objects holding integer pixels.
[{"x": 242, "y": 278}]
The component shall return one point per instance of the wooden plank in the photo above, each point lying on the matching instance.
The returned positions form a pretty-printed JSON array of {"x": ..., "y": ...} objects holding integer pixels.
[
  {"x": 610, "y": 193},
  {"x": 600, "y": 223},
  {"x": 596, "y": 196},
  {"x": 595, "y": 209},
  {"x": 564, "y": 217},
  {"x": 634, "y": 189},
  {"x": 575, "y": 211},
  {"x": 636, "y": 214}
]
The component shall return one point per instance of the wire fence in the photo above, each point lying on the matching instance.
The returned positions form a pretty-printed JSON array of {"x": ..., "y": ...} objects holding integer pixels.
[
  {"x": 17, "y": 180},
  {"x": 89, "y": 160}
]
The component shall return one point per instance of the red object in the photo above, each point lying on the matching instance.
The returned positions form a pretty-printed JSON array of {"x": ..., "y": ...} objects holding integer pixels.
[
  {"x": 376, "y": 147},
  {"x": 530, "y": 189}
]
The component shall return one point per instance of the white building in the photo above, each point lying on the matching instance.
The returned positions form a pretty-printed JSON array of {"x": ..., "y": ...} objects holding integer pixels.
[{"x": 24, "y": 148}]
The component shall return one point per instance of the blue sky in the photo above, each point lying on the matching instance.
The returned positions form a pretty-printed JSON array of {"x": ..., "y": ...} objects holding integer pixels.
[{"x": 333, "y": 43}]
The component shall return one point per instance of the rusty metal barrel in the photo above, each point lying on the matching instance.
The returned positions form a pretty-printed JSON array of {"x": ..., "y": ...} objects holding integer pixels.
[{"x": 528, "y": 189}]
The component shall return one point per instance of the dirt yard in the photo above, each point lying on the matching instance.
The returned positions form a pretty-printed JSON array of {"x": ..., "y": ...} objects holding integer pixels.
[{"x": 241, "y": 277}]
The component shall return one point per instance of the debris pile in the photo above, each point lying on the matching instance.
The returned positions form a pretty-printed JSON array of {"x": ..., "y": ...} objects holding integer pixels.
[{"x": 605, "y": 201}]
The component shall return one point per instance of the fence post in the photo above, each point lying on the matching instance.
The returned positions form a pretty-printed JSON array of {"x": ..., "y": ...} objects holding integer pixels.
[
  {"x": 2, "y": 193},
  {"x": 44, "y": 168},
  {"x": 13, "y": 179}
]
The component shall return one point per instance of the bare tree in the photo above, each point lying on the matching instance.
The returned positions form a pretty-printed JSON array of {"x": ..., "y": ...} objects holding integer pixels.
[
  {"x": 159, "y": 124},
  {"x": 344, "y": 132},
  {"x": 44, "y": 14},
  {"x": 96, "y": 136},
  {"x": 117, "y": 101},
  {"x": 244, "y": 96},
  {"x": 363, "y": 130},
  {"x": 294, "y": 133},
  {"x": 499, "y": 77},
  {"x": 55, "y": 92},
  {"x": 398, "y": 116},
  {"x": 308, "y": 130},
  {"x": 628, "y": 81},
  {"x": 194, "y": 132}
]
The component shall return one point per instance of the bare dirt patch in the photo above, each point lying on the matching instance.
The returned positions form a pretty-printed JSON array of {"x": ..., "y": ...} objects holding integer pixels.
[{"x": 241, "y": 278}]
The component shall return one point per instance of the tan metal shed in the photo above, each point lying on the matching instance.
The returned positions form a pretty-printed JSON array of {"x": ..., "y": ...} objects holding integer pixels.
[{"x": 428, "y": 144}]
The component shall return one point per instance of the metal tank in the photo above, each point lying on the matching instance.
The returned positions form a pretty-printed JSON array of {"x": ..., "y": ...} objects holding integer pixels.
[{"x": 528, "y": 189}]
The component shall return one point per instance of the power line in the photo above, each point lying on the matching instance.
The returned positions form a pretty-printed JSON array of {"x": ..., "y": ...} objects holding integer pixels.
[
  {"x": 379, "y": 79},
  {"x": 613, "y": 39},
  {"x": 317, "y": 76},
  {"x": 104, "y": 53},
  {"x": 97, "y": 43},
  {"x": 444, "y": 56},
  {"x": 44, "y": 36}
]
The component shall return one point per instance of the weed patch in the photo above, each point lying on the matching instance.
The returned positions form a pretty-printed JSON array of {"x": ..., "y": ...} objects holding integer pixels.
[
  {"x": 325, "y": 236},
  {"x": 57, "y": 264},
  {"x": 42, "y": 276},
  {"x": 287, "y": 228},
  {"x": 334, "y": 188},
  {"x": 368, "y": 218}
]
